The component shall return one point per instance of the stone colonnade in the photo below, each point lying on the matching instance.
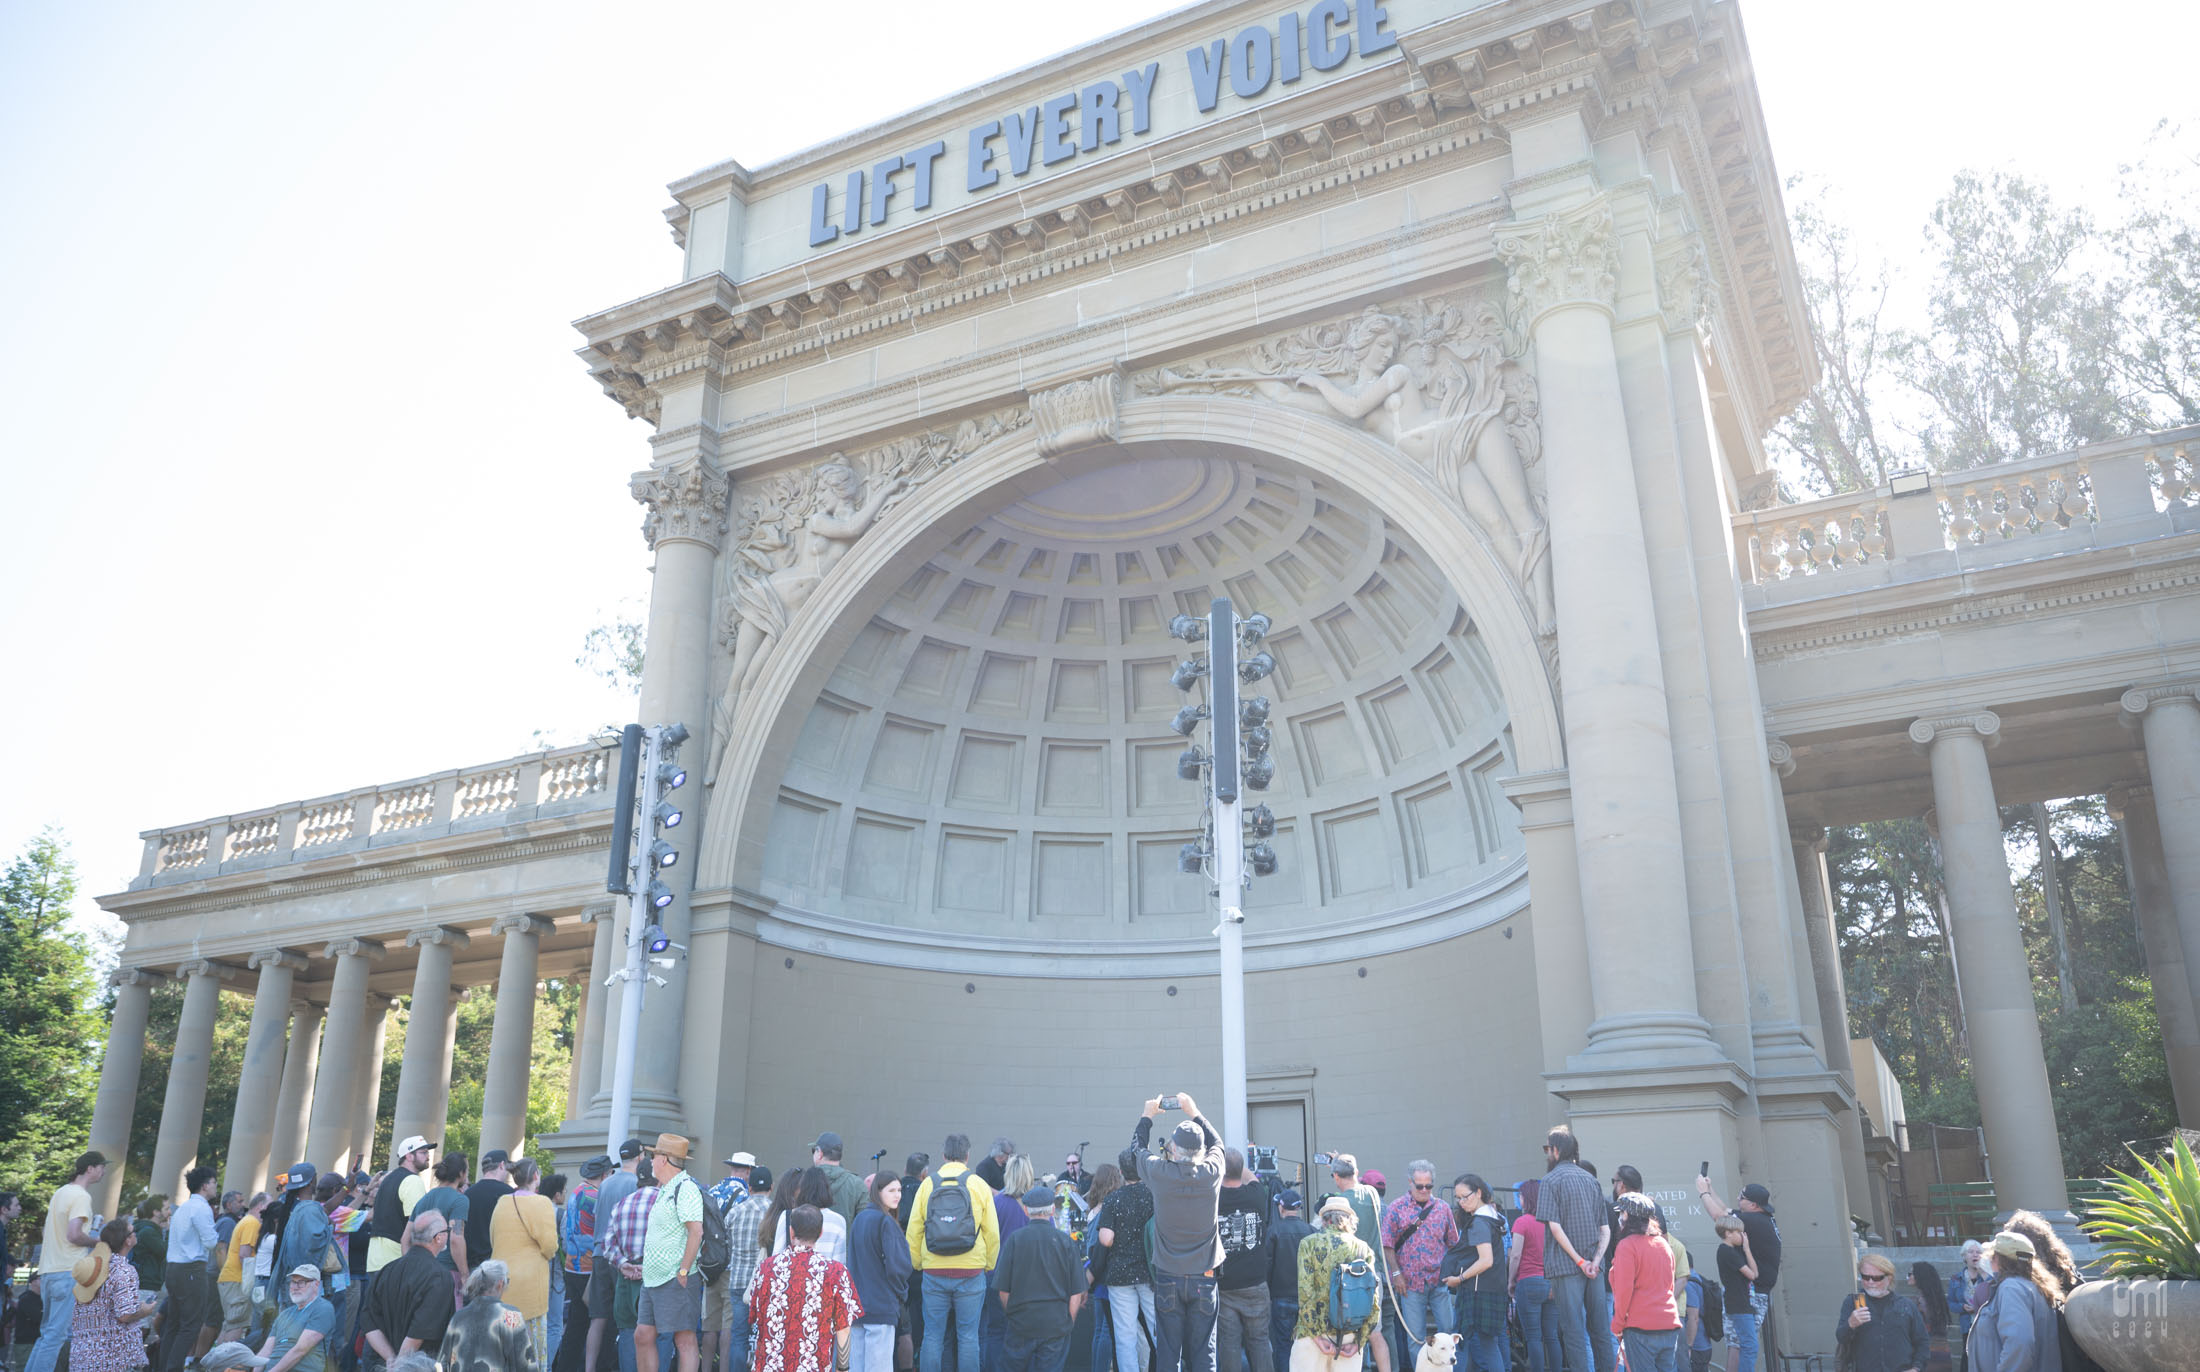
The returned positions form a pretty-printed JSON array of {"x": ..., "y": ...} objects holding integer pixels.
[{"x": 309, "y": 1088}]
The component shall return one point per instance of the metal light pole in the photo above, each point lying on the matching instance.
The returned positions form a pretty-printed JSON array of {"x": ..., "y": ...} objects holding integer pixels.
[
  {"x": 637, "y": 952},
  {"x": 638, "y": 851}
]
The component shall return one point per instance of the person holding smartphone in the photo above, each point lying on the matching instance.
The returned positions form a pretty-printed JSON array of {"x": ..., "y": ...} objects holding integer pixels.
[{"x": 1185, "y": 1176}]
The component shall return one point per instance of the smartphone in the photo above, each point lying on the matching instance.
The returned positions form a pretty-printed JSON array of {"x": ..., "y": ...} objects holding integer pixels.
[
  {"x": 1169, "y": 1103},
  {"x": 1324, "y": 1159},
  {"x": 1704, "y": 1170}
]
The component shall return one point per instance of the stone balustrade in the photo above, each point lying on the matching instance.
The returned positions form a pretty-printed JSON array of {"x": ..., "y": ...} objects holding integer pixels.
[
  {"x": 1921, "y": 526},
  {"x": 556, "y": 782}
]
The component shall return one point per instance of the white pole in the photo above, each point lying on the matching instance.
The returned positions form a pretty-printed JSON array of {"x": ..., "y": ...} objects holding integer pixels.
[
  {"x": 637, "y": 950},
  {"x": 1230, "y": 883}
]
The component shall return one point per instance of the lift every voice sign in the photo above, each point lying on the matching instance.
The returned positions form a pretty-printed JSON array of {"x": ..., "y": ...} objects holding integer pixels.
[{"x": 1322, "y": 39}]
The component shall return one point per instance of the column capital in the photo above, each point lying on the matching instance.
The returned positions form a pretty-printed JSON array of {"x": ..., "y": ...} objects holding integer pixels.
[
  {"x": 2125, "y": 794},
  {"x": 522, "y": 924},
  {"x": 1804, "y": 834},
  {"x": 1780, "y": 755},
  {"x": 276, "y": 957},
  {"x": 136, "y": 976},
  {"x": 602, "y": 912},
  {"x": 1566, "y": 257},
  {"x": 438, "y": 933},
  {"x": 1078, "y": 414},
  {"x": 2136, "y": 701},
  {"x": 686, "y": 499},
  {"x": 1982, "y": 724},
  {"x": 1544, "y": 799},
  {"x": 355, "y": 948},
  {"x": 1688, "y": 295},
  {"x": 206, "y": 967}
]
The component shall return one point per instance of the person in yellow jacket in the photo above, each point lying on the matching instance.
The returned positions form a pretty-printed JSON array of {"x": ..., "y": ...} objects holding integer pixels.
[
  {"x": 954, "y": 1237},
  {"x": 523, "y": 1235}
]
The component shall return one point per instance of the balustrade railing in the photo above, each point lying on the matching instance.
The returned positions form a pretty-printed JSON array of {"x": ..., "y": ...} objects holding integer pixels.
[
  {"x": 515, "y": 789},
  {"x": 1987, "y": 513}
]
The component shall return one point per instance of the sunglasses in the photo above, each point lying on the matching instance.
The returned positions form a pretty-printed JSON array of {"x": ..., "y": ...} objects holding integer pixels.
[
  {"x": 1424, "y": 1186},
  {"x": 1876, "y": 1276}
]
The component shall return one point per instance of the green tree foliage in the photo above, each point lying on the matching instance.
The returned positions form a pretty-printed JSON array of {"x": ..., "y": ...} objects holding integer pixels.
[
  {"x": 2104, "y": 1060},
  {"x": 557, "y": 1012},
  {"x": 50, "y": 1027}
]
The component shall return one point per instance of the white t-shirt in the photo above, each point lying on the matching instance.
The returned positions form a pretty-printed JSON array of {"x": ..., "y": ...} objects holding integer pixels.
[
  {"x": 71, "y": 1202},
  {"x": 832, "y": 1242}
]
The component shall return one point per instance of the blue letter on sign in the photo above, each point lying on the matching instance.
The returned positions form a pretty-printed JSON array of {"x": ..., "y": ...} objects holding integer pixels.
[
  {"x": 1372, "y": 19},
  {"x": 821, "y": 232},
  {"x": 980, "y": 173},
  {"x": 1206, "y": 64},
  {"x": 922, "y": 159},
  {"x": 1096, "y": 119},
  {"x": 1327, "y": 49},
  {"x": 1140, "y": 85},
  {"x": 1252, "y": 62},
  {"x": 1054, "y": 121},
  {"x": 1287, "y": 49},
  {"x": 882, "y": 187},
  {"x": 1022, "y": 132}
]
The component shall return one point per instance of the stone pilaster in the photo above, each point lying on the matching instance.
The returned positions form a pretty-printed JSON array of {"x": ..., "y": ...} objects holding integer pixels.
[
  {"x": 115, "y": 1109},
  {"x": 183, "y": 1108},
  {"x": 2008, "y": 1067},
  {"x": 422, "y": 1077},
  {"x": 259, "y": 1079},
  {"x": 336, "y": 1087},
  {"x": 2155, "y": 910},
  {"x": 512, "y": 1033}
]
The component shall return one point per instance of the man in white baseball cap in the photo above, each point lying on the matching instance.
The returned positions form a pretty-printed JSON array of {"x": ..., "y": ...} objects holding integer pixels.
[{"x": 406, "y": 1183}]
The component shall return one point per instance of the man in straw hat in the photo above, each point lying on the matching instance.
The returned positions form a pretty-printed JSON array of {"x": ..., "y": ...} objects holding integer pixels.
[{"x": 672, "y": 1290}]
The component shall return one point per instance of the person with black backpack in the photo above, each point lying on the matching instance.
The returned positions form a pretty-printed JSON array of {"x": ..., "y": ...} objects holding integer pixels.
[
  {"x": 672, "y": 1246},
  {"x": 1704, "y": 1324},
  {"x": 954, "y": 1237}
]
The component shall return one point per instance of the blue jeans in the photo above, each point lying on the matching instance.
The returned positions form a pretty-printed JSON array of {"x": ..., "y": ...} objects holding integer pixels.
[
  {"x": 1283, "y": 1320},
  {"x": 1741, "y": 1331},
  {"x": 1125, "y": 1303},
  {"x": 1538, "y": 1326},
  {"x": 58, "y": 1292},
  {"x": 1652, "y": 1350},
  {"x": 992, "y": 1337},
  {"x": 1596, "y": 1303},
  {"x": 735, "y": 1344},
  {"x": 1413, "y": 1312},
  {"x": 966, "y": 1297},
  {"x": 870, "y": 1349},
  {"x": 1492, "y": 1352},
  {"x": 1569, "y": 1311},
  {"x": 1184, "y": 1329}
]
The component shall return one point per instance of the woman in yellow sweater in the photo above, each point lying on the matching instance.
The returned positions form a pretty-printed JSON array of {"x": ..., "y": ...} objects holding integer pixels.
[{"x": 523, "y": 1235}]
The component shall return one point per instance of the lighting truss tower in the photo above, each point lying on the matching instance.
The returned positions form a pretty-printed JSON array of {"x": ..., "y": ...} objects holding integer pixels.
[
  {"x": 640, "y": 850},
  {"x": 1236, "y": 759}
]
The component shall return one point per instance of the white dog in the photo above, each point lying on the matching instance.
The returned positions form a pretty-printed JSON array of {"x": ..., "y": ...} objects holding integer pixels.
[{"x": 1438, "y": 1354}]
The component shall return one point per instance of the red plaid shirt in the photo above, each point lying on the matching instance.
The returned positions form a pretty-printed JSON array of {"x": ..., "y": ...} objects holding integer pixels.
[{"x": 622, "y": 1241}]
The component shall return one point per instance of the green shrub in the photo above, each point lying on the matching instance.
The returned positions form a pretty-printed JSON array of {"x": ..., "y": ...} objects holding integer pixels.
[{"x": 2149, "y": 1226}]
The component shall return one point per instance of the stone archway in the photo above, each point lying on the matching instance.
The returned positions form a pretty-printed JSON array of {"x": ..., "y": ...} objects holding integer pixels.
[{"x": 1009, "y": 468}]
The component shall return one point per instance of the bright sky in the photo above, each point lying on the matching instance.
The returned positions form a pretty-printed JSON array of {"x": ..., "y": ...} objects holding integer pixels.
[{"x": 301, "y": 487}]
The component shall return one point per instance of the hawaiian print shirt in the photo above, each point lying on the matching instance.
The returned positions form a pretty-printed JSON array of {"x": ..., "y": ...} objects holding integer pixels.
[
  {"x": 1422, "y": 1259},
  {"x": 798, "y": 1303}
]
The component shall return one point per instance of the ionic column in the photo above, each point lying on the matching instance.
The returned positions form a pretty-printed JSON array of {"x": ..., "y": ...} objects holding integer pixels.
[
  {"x": 260, "y": 1078},
  {"x": 686, "y": 499},
  {"x": 294, "y": 1104},
  {"x": 512, "y": 1033},
  {"x": 1563, "y": 277},
  {"x": 370, "y": 1082},
  {"x": 115, "y": 1109},
  {"x": 424, "y": 1074},
  {"x": 335, "y": 1089},
  {"x": 2156, "y": 914},
  {"x": 2169, "y": 721},
  {"x": 183, "y": 1108},
  {"x": 588, "y": 1053},
  {"x": 2007, "y": 1067}
]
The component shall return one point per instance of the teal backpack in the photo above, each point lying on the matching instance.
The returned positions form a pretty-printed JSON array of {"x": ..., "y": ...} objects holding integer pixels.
[{"x": 1353, "y": 1290}]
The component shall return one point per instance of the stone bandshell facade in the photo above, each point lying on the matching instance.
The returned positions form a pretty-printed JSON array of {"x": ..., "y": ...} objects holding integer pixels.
[{"x": 1455, "y": 361}]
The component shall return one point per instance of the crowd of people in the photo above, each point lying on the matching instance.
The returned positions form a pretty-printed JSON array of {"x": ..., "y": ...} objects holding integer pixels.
[{"x": 1190, "y": 1259}]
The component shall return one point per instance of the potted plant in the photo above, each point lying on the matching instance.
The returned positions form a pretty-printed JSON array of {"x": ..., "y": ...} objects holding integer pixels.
[{"x": 2145, "y": 1317}]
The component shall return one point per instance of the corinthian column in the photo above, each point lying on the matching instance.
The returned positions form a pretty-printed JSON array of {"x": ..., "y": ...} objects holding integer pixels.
[
  {"x": 1563, "y": 278},
  {"x": 335, "y": 1090},
  {"x": 183, "y": 1109},
  {"x": 686, "y": 502},
  {"x": 424, "y": 1073},
  {"x": 512, "y": 1033},
  {"x": 260, "y": 1078},
  {"x": 115, "y": 1109},
  {"x": 2148, "y": 875},
  {"x": 293, "y": 1105},
  {"x": 2008, "y": 1070}
]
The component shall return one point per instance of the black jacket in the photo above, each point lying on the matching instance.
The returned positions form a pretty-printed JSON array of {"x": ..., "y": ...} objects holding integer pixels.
[{"x": 1893, "y": 1340}]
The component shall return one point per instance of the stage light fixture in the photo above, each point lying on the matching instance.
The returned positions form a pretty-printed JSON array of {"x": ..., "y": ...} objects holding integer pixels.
[
  {"x": 1188, "y": 673},
  {"x": 1258, "y": 772},
  {"x": 1260, "y": 822},
  {"x": 1255, "y": 667},
  {"x": 1190, "y": 628},
  {"x": 1187, "y": 719}
]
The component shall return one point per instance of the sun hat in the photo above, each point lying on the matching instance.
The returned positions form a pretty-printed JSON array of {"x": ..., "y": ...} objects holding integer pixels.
[
  {"x": 91, "y": 1272},
  {"x": 743, "y": 1159},
  {"x": 673, "y": 1146},
  {"x": 1335, "y": 1205}
]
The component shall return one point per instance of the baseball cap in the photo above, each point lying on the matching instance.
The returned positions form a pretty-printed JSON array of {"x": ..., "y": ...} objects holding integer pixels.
[
  {"x": 1188, "y": 1135},
  {"x": 741, "y": 1160},
  {"x": 632, "y": 1148},
  {"x": 1756, "y": 1194},
  {"x": 493, "y": 1158},
  {"x": 2011, "y": 1244},
  {"x": 306, "y": 1270},
  {"x": 360, "y": 1179},
  {"x": 1038, "y": 1198},
  {"x": 596, "y": 1166},
  {"x": 413, "y": 1143},
  {"x": 760, "y": 1178},
  {"x": 1374, "y": 1178},
  {"x": 298, "y": 1176},
  {"x": 1289, "y": 1199},
  {"x": 827, "y": 1142}
]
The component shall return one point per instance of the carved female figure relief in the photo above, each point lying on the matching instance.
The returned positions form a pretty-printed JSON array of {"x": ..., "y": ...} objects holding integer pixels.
[{"x": 781, "y": 564}]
